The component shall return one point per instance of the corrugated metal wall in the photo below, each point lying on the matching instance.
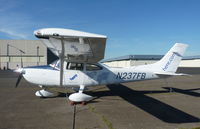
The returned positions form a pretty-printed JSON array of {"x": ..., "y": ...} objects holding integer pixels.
[{"x": 11, "y": 53}]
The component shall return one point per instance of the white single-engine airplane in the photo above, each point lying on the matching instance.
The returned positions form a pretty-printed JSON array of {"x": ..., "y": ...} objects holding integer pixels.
[{"x": 77, "y": 66}]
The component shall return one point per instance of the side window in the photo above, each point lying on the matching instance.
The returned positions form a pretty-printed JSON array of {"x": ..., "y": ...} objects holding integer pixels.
[
  {"x": 79, "y": 66},
  {"x": 92, "y": 67},
  {"x": 74, "y": 66}
]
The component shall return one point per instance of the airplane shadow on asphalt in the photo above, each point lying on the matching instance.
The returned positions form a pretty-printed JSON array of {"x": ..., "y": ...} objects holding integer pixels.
[
  {"x": 148, "y": 104},
  {"x": 186, "y": 92}
]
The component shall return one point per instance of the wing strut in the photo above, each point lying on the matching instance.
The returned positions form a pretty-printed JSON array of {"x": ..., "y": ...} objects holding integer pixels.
[{"x": 62, "y": 56}]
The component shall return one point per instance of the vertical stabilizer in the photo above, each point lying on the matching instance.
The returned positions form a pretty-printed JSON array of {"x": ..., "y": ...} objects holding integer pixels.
[{"x": 171, "y": 61}]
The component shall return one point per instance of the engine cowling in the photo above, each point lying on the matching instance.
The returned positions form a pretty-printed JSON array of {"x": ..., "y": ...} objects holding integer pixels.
[
  {"x": 80, "y": 97},
  {"x": 44, "y": 93}
]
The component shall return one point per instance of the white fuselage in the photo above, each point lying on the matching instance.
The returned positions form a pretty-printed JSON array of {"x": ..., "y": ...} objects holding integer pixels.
[{"x": 100, "y": 75}]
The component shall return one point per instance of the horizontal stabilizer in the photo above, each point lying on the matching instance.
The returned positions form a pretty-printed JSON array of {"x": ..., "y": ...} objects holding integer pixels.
[{"x": 169, "y": 74}]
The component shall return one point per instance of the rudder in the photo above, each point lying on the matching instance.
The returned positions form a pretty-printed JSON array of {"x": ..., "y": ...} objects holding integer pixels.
[{"x": 171, "y": 61}]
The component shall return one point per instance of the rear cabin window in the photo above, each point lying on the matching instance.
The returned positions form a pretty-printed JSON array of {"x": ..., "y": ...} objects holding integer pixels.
[
  {"x": 74, "y": 66},
  {"x": 92, "y": 67}
]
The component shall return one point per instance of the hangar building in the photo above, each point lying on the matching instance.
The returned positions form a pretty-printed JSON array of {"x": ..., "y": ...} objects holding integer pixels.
[
  {"x": 134, "y": 60},
  {"x": 21, "y": 53}
]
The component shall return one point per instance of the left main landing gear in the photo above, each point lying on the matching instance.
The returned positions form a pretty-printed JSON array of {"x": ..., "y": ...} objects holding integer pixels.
[{"x": 80, "y": 97}]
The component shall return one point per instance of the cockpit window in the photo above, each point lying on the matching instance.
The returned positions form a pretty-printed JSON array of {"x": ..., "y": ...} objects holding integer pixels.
[
  {"x": 56, "y": 64},
  {"x": 92, "y": 67},
  {"x": 74, "y": 66}
]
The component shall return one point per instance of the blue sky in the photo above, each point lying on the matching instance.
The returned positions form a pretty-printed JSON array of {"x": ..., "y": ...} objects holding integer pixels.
[{"x": 132, "y": 26}]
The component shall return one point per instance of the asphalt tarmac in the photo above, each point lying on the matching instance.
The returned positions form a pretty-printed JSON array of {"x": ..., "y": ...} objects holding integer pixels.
[{"x": 137, "y": 105}]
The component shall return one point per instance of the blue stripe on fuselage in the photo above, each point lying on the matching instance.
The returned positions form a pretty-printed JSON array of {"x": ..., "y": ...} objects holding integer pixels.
[{"x": 42, "y": 67}]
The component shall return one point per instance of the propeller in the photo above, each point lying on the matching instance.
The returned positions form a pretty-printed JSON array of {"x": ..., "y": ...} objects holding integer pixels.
[
  {"x": 21, "y": 72},
  {"x": 18, "y": 80}
]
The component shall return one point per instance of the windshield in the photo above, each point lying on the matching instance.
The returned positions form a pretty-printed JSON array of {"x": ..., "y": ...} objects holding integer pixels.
[{"x": 56, "y": 64}]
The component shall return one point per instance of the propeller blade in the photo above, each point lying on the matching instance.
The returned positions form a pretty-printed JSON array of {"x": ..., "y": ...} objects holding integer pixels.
[{"x": 18, "y": 80}]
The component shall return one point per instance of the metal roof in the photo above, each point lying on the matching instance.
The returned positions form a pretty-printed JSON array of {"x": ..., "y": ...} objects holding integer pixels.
[
  {"x": 191, "y": 57},
  {"x": 145, "y": 57}
]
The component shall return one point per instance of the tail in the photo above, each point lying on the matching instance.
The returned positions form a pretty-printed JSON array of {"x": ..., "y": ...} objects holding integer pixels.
[{"x": 171, "y": 61}]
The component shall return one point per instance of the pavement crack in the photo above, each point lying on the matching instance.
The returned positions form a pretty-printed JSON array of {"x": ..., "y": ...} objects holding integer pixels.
[{"x": 105, "y": 120}]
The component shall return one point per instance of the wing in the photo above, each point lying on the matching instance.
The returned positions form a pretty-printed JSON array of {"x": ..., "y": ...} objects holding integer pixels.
[{"x": 76, "y": 46}]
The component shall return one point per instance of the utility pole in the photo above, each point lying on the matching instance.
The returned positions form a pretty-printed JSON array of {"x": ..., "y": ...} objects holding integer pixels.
[
  {"x": 21, "y": 58},
  {"x": 8, "y": 56},
  {"x": 74, "y": 117},
  {"x": 21, "y": 52},
  {"x": 38, "y": 58}
]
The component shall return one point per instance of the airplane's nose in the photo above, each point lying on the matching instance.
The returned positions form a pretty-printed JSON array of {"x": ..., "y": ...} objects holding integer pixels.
[{"x": 20, "y": 70}]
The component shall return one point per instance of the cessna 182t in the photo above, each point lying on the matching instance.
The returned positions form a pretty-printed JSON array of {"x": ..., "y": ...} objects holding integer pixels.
[{"x": 78, "y": 67}]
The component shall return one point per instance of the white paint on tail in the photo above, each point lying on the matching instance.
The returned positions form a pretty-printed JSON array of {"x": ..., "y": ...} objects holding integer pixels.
[{"x": 171, "y": 61}]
